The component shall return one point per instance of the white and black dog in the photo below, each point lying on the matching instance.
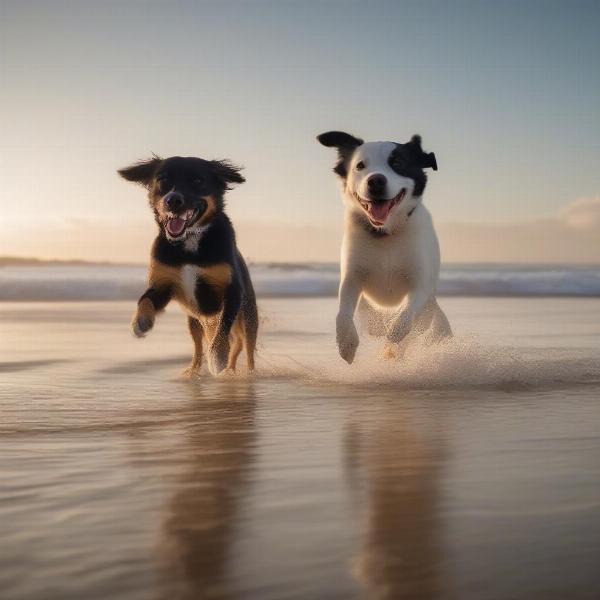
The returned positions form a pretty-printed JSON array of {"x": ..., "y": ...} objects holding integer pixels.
[{"x": 390, "y": 253}]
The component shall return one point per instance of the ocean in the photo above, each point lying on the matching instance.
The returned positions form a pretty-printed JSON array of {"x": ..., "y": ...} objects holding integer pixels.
[
  {"x": 125, "y": 282},
  {"x": 468, "y": 470}
]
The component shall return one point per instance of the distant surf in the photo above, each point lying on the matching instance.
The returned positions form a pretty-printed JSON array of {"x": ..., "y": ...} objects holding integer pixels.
[{"x": 80, "y": 282}]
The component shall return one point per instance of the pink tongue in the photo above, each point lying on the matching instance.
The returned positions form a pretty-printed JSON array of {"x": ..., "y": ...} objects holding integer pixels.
[
  {"x": 176, "y": 226},
  {"x": 380, "y": 211}
]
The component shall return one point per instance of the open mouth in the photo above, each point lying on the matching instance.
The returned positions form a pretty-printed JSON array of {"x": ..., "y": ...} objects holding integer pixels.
[
  {"x": 378, "y": 212},
  {"x": 176, "y": 225}
]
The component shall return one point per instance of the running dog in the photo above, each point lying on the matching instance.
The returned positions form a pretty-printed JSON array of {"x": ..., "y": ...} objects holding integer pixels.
[
  {"x": 390, "y": 258},
  {"x": 195, "y": 259}
]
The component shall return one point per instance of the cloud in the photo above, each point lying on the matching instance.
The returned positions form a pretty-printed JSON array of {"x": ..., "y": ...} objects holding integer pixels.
[
  {"x": 582, "y": 214},
  {"x": 573, "y": 235}
]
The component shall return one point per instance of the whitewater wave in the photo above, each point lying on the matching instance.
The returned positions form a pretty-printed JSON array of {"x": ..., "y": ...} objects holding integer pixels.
[{"x": 124, "y": 282}]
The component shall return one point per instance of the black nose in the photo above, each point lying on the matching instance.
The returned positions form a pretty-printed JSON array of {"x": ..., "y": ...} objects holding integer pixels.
[
  {"x": 174, "y": 201},
  {"x": 376, "y": 184}
]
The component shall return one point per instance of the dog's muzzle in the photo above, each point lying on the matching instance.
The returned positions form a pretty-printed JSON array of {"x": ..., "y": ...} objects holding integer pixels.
[
  {"x": 177, "y": 224},
  {"x": 379, "y": 210}
]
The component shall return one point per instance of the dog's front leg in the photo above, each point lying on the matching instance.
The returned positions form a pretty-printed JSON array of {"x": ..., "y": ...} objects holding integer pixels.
[
  {"x": 153, "y": 300},
  {"x": 219, "y": 349},
  {"x": 346, "y": 334},
  {"x": 403, "y": 322}
]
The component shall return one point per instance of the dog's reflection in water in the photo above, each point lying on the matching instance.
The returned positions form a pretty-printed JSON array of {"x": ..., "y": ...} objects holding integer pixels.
[
  {"x": 399, "y": 554},
  {"x": 201, "y": 520}
]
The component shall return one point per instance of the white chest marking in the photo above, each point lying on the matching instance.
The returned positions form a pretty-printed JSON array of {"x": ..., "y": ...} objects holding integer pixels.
[
  {"x": 189, "y": 277},
  {"x": 191, "y": 242}
]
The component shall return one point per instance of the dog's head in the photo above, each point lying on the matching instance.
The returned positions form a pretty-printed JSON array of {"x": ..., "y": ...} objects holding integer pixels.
[
  {"x": 185, "y": 193},
  {"x": 383, "y": 181}
]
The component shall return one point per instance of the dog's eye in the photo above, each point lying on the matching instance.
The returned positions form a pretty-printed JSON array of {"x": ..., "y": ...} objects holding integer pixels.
[
  {"x": 198, "y": 182},
  {"x": 360, "y": 165}
]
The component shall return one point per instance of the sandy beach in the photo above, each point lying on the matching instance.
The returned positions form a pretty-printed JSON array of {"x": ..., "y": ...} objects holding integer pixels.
[
  {"x": 406, "y": 153},
  {"x": 467, "y": 471}
]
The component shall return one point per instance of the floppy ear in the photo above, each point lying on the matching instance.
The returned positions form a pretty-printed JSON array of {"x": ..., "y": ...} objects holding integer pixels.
[
  {"x": 424, "y": 160},
  {"x": 141, "y": 172},
  {"x": 339, "y": 139},
  {"x": 345, "y": 144},
  {"x": 226, "y": 172}
]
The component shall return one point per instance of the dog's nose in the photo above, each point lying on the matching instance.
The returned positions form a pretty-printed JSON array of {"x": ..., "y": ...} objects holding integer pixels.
[
  {"x": 376, "y": 184},
  {"x": 174, "y": 201}
]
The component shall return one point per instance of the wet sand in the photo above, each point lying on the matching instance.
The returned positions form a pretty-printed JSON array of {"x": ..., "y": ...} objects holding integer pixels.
[{"x": 470, "y": 471}]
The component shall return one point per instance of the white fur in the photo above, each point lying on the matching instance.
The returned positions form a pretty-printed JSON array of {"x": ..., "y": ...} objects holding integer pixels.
[
  {"x": 193, "y": 236},
  {"x": 189, "y": 278},
  {"x": 375, "y": 155},
  {"x": 395, "y": 274}
]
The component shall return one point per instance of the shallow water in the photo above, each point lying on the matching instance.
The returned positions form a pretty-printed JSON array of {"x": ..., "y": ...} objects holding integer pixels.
[{"x": 466, "y": 471}]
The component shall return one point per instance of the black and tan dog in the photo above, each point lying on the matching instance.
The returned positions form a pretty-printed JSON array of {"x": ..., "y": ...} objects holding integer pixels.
[{"x": 195, "y": 259}]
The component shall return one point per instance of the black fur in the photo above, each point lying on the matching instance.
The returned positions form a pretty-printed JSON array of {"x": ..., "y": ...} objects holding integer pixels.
[
  {"x": 159, "y": 296},
  {"x": 409, "y": 160},
  {"x": 345, "y": 144},
  {"x": 195, "y": 178},
  {"x": 216, "y": 246},
  {"x": 202, "y": 185}
]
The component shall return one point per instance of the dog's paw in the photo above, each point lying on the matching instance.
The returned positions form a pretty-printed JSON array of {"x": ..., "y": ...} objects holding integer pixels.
[
  {"x": 191, "y": 372},
  {"x": 141, "y": 325},
  {"x": 399, "y": 329},
  {"x": 390, "y": 352},
  {"x": 347, "y": 339},
  {"x": 218, "y": 355}
]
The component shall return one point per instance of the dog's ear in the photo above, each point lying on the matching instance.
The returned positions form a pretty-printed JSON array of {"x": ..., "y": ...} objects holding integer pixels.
[
  {"x": 141, "y": 172},
  {"x": 339, "y": 139},
  {"x": 425, "y": 160},
  {"x": 345, "y": 144},
  {"x": 226, "y": 172}
]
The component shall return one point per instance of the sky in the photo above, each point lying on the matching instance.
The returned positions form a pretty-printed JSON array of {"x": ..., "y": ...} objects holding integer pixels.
[{"x": 507, "y": 94}]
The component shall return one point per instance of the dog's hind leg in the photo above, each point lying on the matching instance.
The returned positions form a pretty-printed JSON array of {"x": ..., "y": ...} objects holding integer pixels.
[
  {"x": 197, "y": 333},
  {"x": 371, "y": 320},
  {"x": 440, "y": 326},
  {"x": 250, "y": 330},
  {"x": 236, "y": 342},
  {"x": 437, "y": 326},
  {"x": 234, "y": 352}
]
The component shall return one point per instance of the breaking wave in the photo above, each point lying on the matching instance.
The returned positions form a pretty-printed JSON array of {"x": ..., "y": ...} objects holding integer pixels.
[{"x": 124, "y": 282}]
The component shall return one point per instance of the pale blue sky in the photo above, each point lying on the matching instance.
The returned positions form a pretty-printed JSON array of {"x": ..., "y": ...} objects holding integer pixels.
[{"x": 507, "y": 95}]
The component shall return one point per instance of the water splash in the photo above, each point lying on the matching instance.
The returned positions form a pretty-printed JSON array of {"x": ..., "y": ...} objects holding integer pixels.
[{"x": 460, "y": 362}]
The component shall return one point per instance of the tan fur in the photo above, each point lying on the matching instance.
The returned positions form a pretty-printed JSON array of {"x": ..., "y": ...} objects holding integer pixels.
[
  {"x": 234, "y": 352},
  {"x": 163, "y": 274},
  {"x": 218, "y": 276},
  {"x": 146, "y": 310},
  {"x": 205, "y": 329},
  {"x": 250, "y": 349},
  {"x": 210, "y": 212},
  {"x": 210, "y": 325},
  {"x": 196, "y": 331}
]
